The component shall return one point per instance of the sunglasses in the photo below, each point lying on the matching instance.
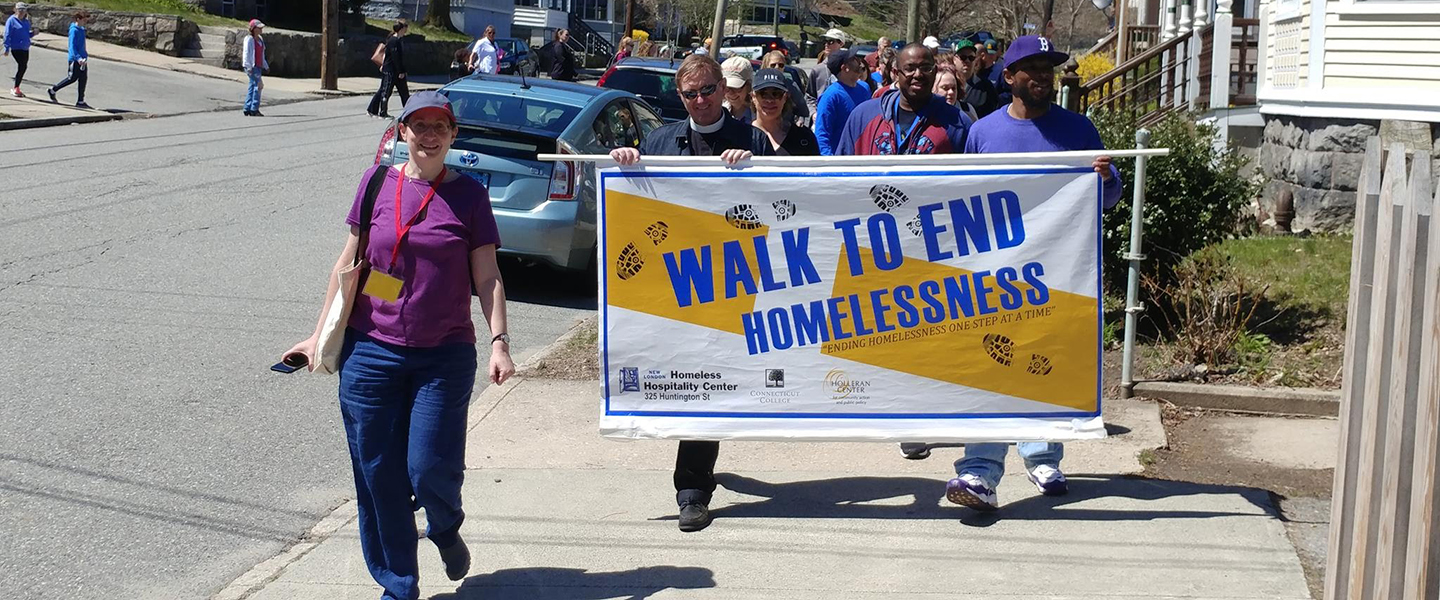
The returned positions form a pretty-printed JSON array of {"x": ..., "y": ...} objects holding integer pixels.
[
  {"x": 706, "y": 91},
  {"x": 770, "y": 95}
]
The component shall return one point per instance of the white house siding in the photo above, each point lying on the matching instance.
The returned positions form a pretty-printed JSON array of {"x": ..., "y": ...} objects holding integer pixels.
[{"x": 1381, "y": 51}]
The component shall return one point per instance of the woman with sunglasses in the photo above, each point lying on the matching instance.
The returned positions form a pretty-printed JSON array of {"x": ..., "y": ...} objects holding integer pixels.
[
  {"x": 407, "y": 368},
  {"x": 773, "y": 104},
  {"x": 799, "y": 102}
]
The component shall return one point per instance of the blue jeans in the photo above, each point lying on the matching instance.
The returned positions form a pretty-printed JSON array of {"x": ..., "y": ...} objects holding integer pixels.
[
  {"x": 987, "y": 461},
  {"x": 405, "y": 418},
  {"x": 252, "y": 93}
]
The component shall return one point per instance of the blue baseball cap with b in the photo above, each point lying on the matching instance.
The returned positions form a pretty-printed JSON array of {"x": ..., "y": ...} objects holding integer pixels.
[
  {"x": 1028, "y": 46},
  {"x": 429, "y": 100}
]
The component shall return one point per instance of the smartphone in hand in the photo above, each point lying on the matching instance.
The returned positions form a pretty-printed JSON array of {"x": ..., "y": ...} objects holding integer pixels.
[{"x": 291, "y": 363}]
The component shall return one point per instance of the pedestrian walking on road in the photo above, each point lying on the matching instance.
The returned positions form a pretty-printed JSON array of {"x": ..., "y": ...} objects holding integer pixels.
[
  {"x": 18, "y": 32},
  {"x": 800, "y": 102},
  {"x": 392, "y": 72},
  {"x": 78, "y": 59},
  {"x": 485, "y": 55},
  {"x": 838, "y": 100},
  {"x": 1032, "y": 122},
  {"x": 710, "y": 131},
  {"x": 738, "y": 75},
  {"x": 562, "y": 58},
  {"x": 408, "y": 364},
  {"x": 252, "y": 59},
  {"x": 910, "y": 119}
]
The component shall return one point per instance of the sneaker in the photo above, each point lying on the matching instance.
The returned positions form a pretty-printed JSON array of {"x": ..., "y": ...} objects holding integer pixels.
[
  {"x": 1049, "y": 480},
  {"x": 456, "y": 559},
  {"x": 52, "y": 96},
  {"x": 694, "y": 516},
  {"x": 915, "y": 450},
  {"x": 968, "y": 490},
  {"x": 81, "y": 104},
  {"x": 16, "y": 92}
]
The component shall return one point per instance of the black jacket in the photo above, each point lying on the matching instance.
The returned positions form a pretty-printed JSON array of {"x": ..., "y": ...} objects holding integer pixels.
[
  {"x": 674, "y": 139},
  {"x": 562, "y": 61},
  {"x": 982, "y": 96},
  {"x": 394, "y": 56}
]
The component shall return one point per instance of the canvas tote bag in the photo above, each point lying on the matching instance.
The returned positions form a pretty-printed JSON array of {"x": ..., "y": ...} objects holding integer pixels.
[{"x": 337, "y": 316}]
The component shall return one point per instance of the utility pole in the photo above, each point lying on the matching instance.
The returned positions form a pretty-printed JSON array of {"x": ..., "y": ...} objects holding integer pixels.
[
  {"x": 630, "y": 16},
  {"x": 330, "y": 45},
  {"x": 717, "y": 30},
  {"x": 1049, "y": 14},
  {"x": 777, "y": 18},
  {"x": 912, "y": 25}
]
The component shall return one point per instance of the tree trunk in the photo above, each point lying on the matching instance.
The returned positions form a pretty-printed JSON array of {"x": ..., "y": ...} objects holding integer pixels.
[{"x": 438, "y": 16}]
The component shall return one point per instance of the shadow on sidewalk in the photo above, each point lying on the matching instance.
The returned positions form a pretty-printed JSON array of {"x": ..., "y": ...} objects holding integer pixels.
[
  {"x": 849, "y": 498},
  {"x": 553, "y": 583}
]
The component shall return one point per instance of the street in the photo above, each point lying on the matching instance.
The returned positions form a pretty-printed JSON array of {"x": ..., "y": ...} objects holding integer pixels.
[
  {"x": 120, "y": 87},
  {"x": 151, "y": 271}
]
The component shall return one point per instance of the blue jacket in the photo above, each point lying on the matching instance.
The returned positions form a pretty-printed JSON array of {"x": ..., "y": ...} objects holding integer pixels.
[
  {"x": 17, "y": 34},
  {"x": 77, "y": 43},
  {"x": 833, "y": 109}
]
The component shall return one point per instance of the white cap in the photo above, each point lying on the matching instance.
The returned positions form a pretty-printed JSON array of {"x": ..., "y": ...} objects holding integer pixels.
[
  {"x": 21, "y": 6},
  {"x": 737, "y": 71},
  {"x": 931, "y": 43}
]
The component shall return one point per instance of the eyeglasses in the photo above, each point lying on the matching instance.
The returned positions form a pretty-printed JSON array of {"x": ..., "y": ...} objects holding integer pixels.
[
  {"x": 706, "y": 91},
  {"x": 424, "y": 128},
  {"x": 915, "y": 70}
]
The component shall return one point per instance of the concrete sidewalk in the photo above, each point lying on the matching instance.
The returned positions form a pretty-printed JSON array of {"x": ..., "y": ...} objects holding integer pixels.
[
  {"x": 557, "y": 512},
  {"x": 348, "y": 86}
]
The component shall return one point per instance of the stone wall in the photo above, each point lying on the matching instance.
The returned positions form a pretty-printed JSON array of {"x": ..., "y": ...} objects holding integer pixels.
[
  {"x": 297, "y": 54},
  {"x": 166, "y": 34},
  {"x": 1318, "y": 161},
  {"x": 395, "y": 9}
]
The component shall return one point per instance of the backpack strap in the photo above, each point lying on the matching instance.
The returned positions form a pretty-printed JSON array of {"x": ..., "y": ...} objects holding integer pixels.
[{"x": 367, "y": 209}]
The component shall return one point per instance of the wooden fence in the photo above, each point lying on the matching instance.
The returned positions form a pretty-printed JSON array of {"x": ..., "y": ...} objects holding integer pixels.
[{"x": 1384, "y": 534}]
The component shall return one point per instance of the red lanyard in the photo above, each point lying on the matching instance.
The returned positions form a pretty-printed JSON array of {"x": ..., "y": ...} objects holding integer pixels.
[{"x": 401, "y": 230}]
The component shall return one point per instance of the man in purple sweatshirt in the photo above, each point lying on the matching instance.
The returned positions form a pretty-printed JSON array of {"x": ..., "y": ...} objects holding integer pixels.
[{"x": 1030, "y": 123}]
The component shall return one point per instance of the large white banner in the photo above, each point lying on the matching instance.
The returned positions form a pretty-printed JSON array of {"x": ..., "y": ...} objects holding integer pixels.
[{"x": 884, "y": 303}]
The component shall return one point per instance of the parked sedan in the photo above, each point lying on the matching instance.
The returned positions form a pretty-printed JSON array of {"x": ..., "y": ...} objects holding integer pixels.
[
  {"x": 517, "y": 57},
  {"x": 545, "y": 210}
]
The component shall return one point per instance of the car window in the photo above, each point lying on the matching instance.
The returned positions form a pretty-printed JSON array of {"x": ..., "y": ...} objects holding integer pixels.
[
  {"x": 646, "y": 118},
  {"x": 656, "y": 88},
  {"x": 615, "y": 126},
  {"x": 511, "y": 111}
]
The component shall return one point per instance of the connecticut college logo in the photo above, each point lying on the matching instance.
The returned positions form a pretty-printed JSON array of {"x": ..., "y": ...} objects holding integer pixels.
[
  {"x": 774, "y": 378},
  {"x": 629, "y": 379}
]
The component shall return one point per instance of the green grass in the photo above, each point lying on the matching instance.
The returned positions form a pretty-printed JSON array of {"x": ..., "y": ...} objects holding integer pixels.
[
  {"x": 155, "y": 7},
  {"x": 429, "y": 33},
  {"x": 1312, "y": 272}
]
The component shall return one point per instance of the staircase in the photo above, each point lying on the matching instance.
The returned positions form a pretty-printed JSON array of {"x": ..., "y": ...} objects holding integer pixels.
[
  {"x": 585, "y": 41},
  {"x": 208, "y": 47}
]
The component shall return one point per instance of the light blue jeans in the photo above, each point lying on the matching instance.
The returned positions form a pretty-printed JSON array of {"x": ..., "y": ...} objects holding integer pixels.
[
  {"x": 987, "y": 461},
  {"x": 252, "y": 94}
]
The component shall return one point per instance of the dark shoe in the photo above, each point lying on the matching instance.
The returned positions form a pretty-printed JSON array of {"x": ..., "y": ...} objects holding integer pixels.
[
  {"x": 81, "y": 104},
  {"x": 52, "y": 96},
  {"x": 694, "y": 516},
  {"x": 249, "y": 113},
  {"x": 256, "y": 113},
  {"x": 456, "y": 559},
  {"x": 915, "y": 450}
]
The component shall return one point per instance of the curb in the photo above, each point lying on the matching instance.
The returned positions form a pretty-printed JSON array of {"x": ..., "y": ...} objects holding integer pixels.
[
  {"x": 1283, "y": 401},
  {"x": 269, "y": 570},
  {"x": 13, "y": 124}
]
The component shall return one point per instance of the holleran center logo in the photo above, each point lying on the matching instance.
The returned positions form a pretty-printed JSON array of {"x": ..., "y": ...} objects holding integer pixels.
[{"x": 842, "y": 387}]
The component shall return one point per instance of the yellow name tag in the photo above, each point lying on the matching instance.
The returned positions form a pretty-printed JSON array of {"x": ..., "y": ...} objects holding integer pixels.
[{"x": 383, "y": 286}]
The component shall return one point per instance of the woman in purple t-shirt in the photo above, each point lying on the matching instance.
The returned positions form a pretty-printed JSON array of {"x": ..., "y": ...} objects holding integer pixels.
[{"x": 409, "y": 360}]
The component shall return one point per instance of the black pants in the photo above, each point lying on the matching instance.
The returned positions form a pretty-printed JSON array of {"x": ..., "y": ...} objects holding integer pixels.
[
  {"x": 77, "y": 76},
  {"x": 22, "y": 62},
  {"x": 695, "y": 471},
  {"x": 380, "y": 104}
]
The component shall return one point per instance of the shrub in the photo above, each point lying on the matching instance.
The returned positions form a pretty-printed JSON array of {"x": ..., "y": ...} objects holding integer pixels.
[
  {"x": 1194, "y": 197},
  {"x": 1206, "y": 310},
  {"x": 1092, "y": 66}
]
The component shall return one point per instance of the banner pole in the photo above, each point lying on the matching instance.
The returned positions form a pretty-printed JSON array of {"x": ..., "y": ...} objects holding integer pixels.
[
  {"x": 1026, "y": 158},
  {"x": 1133, "y": 308}
]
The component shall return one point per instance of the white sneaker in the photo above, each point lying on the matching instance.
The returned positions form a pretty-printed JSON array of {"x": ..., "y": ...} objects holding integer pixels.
[{"x": 1049, "y": 480}]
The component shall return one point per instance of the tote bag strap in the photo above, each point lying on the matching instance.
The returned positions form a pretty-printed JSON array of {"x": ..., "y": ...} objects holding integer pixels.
[{"x": 367, "y": 209}]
